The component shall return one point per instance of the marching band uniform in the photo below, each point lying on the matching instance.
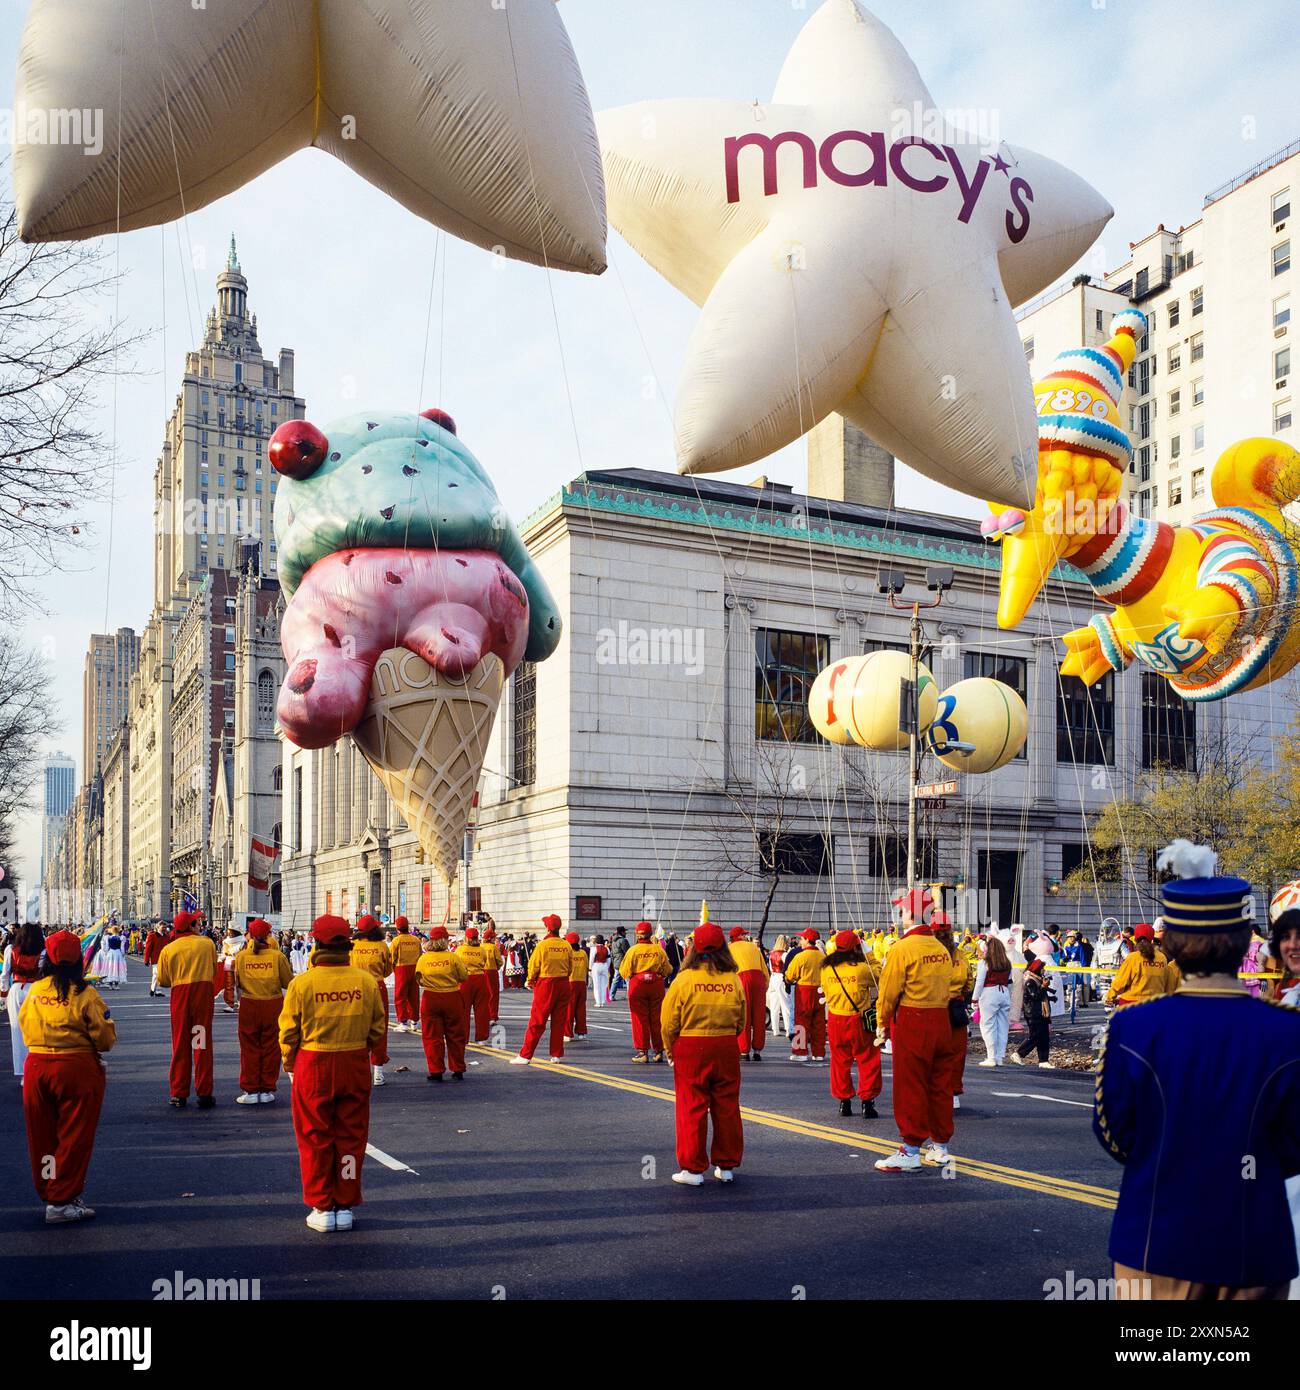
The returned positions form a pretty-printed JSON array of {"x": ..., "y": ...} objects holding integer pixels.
[
  {"x": 1187, "y": 1085},
  {"x": 703, "y": 1014},
  {"x": 299, "y": 954},
  {"x": 754, "y": 973},
  {"x": 370, "y": 953},
  {"x": 850, "y": 989},
  {"x": 550, "y": 968},
  {"x": 443, "y": 1023},
  {"x": 493, "y": 960},
  {"x": 577, "y": 990},
  {"x": 645, "y": 967},
  {"x": 187, "y": 966},
  {"x": 1139, "y": 979},
  {"x": 913, "y": 1005},
  {"x": 405, "y": 948},
  {"x": 803, "y": 972},
  {"x": 262, "y": 974},
  {"x": 333, "y": 1021},
  {"x": 473, "y": 989},
  {"x": 63, "y": 1082}
]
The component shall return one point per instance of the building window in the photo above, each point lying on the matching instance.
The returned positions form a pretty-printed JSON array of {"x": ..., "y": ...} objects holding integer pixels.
[
  {"x": 1198, "y": 482},
  {"x": 1175, "y": 402},
  {"x": 1144, "y": 375},
  {"x": 1281, "y": 206},
  {"x": 1029, "y": 349},
  {"x": 1102, "y": 865},
  {"x": 1198, "y": 439},
  {"x": 1282, "y": 258},
  {"x": 1085, "y": 721},
  {"x": 297, "y": 812},
  {"x": 1101, "y": 321},
  {"x": 1144, "y": 420},
  {"x": 523, "y": 772},
  {"x": 1168, "y": 725},
  {"x": 1198, "y": 392},
  {"x": 1281, "y": 311},
  {"x": 1144, "y": 464},
  {"x": 1010, "y": 670},
  {"x": 1175, "y": 358},
  {"x": 1175, "y": 492},
  {"x": 1173, "y": 313},
  {"x": 1281, "y": 365},
  {"x": 807, "y": 856},
  {"x": 1175, "y": 447},
  {"x": 1198, "y": 346},
  {"x": 887, "y": 858},
  {"x": 329, "y": 902},
  {"x": 1144, "y": 502},
  {"x": 787, "y": 664},
  {"x": 1198, "y": 302},
  {"x": 265, "y": 701},
  {"x": 1281, "y": 416},
  {"x": 277, "y": 779}
]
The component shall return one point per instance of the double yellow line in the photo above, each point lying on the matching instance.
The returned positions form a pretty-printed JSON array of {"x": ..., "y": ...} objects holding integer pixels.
[{"x": 1043, "y": 1184}]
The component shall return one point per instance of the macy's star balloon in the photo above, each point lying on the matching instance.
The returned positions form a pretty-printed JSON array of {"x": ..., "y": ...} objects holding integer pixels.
[
  {"x": 852, "y": 252},
  {"x": 472, "y": 115}
]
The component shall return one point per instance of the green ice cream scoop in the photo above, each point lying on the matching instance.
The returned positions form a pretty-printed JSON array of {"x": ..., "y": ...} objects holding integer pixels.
[{"x": 396, "y": 482}]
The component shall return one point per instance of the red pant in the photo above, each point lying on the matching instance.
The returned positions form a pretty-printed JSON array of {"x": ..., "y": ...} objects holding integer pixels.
[
  {"x": 442, "y": 1022},
  {"x": 952, "y": 1060},
  {"x": 706, "y": 1078},
  {"x": 331, "y": 1121},
  {"x": 228, "y": 982},
  {"x": 259, "y": 1043},
  {"x": 191, "y": 1007},
  {"x": 406, "y": 994},
  {"x": 550, "y": 1001},
  {"x": 577, "y": 1008},
  {"x": 493, "y": 979},
  {"x": 62, "y": 1095},
  {"x": 922, "y": 1101},
  {"x": 645, "y": 998},
  {"x": 379, "y": 1053},
  {"x": 851, "y": 1043},
  {"x": 810, "y": 1016},
  {"x": 754, "y": 983},
  {"x": 474, "y": 995}
]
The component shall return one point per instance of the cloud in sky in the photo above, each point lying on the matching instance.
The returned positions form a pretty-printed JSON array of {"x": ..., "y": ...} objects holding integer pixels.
[{"x": 1154, "y": 102}]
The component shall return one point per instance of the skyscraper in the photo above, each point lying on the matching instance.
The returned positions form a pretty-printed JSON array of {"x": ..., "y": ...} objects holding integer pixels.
[
  {"x": 111, "y": 660},
  {"x": 59, "y": 775}
]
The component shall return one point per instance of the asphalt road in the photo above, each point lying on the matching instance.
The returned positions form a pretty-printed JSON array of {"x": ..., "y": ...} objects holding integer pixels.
[{"x": 554, "y": 1182}]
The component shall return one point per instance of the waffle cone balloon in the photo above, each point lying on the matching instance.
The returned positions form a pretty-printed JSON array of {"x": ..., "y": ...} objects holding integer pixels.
[{"x": 425, "y": 734}]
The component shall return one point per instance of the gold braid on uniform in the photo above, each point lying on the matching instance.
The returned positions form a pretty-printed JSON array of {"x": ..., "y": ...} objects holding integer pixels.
[{"x": 1097, "y": 1089}]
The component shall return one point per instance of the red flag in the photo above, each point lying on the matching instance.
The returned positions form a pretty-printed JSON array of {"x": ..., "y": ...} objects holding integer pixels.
[{"x": 261, "y": 861}]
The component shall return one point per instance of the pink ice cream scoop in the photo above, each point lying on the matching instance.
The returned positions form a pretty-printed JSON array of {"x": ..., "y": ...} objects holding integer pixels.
[{"x": 450, "y": 607}]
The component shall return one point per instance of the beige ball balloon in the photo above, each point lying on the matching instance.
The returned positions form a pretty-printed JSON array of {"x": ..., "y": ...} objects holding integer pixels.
[
  {"x": 856, "y": 700},
  {"x": 986, "y": 713}
]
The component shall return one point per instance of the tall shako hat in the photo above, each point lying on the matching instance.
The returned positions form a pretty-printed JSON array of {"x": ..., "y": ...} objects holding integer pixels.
[{"x": 1198, "y": 900}]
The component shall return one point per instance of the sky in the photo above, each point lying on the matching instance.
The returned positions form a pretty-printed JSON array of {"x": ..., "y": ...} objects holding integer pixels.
[{"x": 1153, "y": 102}]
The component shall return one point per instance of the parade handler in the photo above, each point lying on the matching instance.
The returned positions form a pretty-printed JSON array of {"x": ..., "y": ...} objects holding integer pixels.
[
  {"x": 550, "y": 969},
  {"x": 263, "y": 973},
  {"x": 754, "y": 975},
  {"x": 370, "y": 953},
  {"x": 803, "y": 975},
  {"x": 1198, "y": 1096},
  {"x": 440, "y": 973},
  {"x": 577, "y": 1028},
  {"x": 65, "y": 1026},
  {"x": 187, "y": 966},
  {"x": 913, "y": 1006},
  {"x": 493, "y": 960},
  {"x": 849, "y": 982},
  {"x": 405, "y": 948},
  {"x": 645, "y": 967},
  {"x": 333, "y": 1018},
  {"x": 474, "y": 988},
  {"x": 1147, "y": 973},
  {"x": 704, "y": 1012}
]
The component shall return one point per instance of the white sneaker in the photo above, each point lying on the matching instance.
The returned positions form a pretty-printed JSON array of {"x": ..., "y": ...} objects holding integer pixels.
[
  {"x": 323, "y": 1221},
  {"x": 888, "y": 1050},
  {"x": 247, "y": 1098},
  {"x": 1016, "y": 1058},
  {"x": 343, "y": 1219},
  {"x": 689, "y": 1179},
  {"x": 520, "y": 1061},
  {"x": 956, "y": 1102},
  {"x": 987, "y": 1062},
  {"x": 379, "y": 1076},
  {"x": 266, "y": 1097},
  {"x": 724, "y": 1175},
  {"x": 559, "y": 1061},
  {"x": 900, "y": 1162},
  {"x": 936, "y": 1153},
  {"x": 567, "y": 1038},
  {"x": 1048, "y": 1066},
  {"x": 75, "y": 1210},
  {"x": 794, "y": 1057}
]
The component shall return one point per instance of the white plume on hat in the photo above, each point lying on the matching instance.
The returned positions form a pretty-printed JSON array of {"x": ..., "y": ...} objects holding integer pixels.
[{"x": 1186, "y": 860}]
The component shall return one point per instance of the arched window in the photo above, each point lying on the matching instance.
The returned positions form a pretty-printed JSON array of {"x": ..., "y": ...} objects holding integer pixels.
[
  {"x": 265, "y": 701},
  {"x": 277, "y": 778}
]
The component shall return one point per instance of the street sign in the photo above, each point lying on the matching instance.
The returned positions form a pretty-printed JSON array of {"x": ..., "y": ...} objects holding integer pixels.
[{"x": 931, "y": 791}]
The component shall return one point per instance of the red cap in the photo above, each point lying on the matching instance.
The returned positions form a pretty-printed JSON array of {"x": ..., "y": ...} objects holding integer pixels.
[
  {"x": 809, "y": 935},
  {"x": 736, "y": 934},
  {"x": 402, "y": 924},
  {"x": 471, "y": 933},
  {"x": 438, "y": 934},
  {"x": 644, "y": 929},
  {"x": 1035, "y": 966},
  {"x": 940, "y": 919},
  {"x": 845, "y": 941},
  {"x": 367, "y": 923},
  {"x": 330, "y": 928},
  {"x": 573, "y": 938},
  {"x": 489, "y": 933},
  {"x": 1144, "y": 931},
  {"x": 708, "y": 937},
  {"x": 186, "y": 921},
  {"x": 551, "y": 922},
  {"x": 62, "y": 948},
  {"x": 260, "y": 929}
]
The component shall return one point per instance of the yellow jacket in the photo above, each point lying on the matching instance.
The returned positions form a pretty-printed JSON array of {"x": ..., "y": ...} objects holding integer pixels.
[
  {"x": 917, "y": 973},
  {"x": 960, "y": 980},
  {"x": 701, "y": 1004},
  {"x": 188, "y": 960},
  {"x": 552, "y": 959},
  {"x": 81, "y": 1024},
  {"x": 493, "y": 960},
  {"x": 645, "y": 958},
  {"x": 581, "y": 965},
  {"x": 748, "y": 957},
  {"x": 263, "y": 974},
  {"x": 372, "y": 956},
  {"x": 854, "y": 990},
  {"x": 440, "y": 972},
  {"x": 330, "y": 1008},
  {"x": 473, "y": 958},
  {"x": 405, "y": 948},
  {"x": 1136, "y": 980},
  {"x": 805, "y": 968}
]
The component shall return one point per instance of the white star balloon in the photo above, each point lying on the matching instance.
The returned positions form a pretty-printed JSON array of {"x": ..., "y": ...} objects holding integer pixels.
[
  {"x": 847, "y": 260},
  {"x": 470, "y": 113}
]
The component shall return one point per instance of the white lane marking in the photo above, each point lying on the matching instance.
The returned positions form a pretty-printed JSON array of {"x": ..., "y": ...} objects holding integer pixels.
[
  {"x": 389, "y": 1161},
  {"x": 1030, "y": 1095}
]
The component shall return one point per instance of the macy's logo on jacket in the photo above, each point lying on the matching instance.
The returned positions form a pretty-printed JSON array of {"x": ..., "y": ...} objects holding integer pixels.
[
  {"x": 713, "y": 987},
  {"x": 338, "y": 996}
]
